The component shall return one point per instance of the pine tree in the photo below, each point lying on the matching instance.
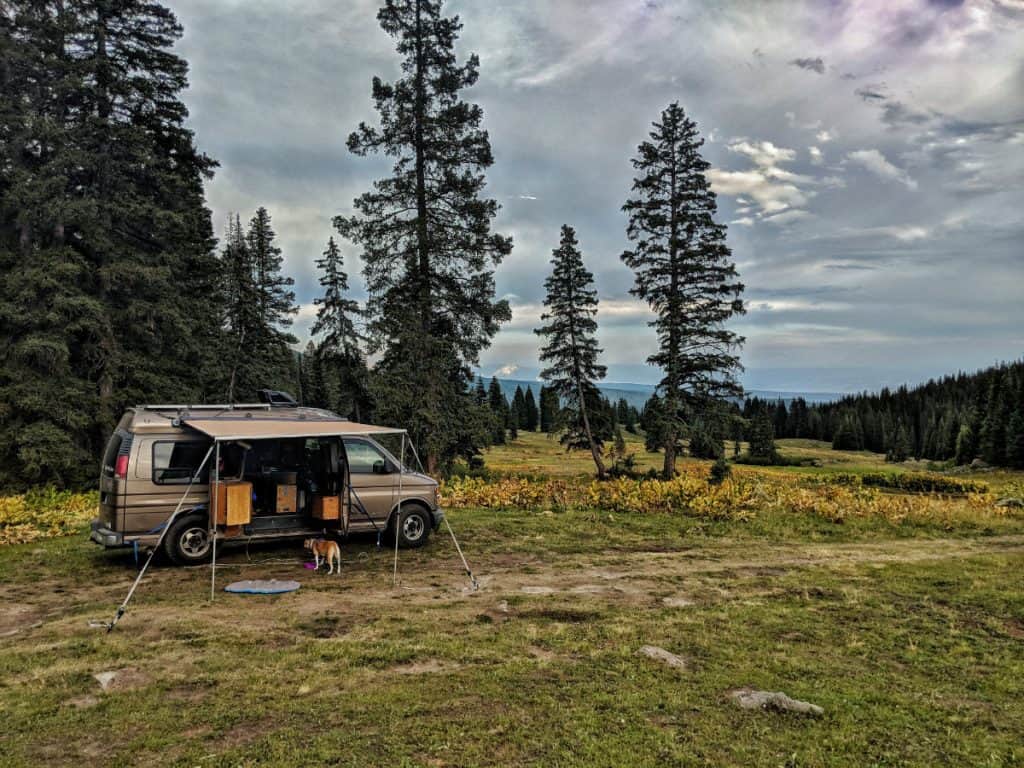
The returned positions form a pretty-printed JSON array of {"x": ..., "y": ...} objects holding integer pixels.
[
  {"x": 966, "y": 448},
  {"x": 761, "y": 440},
  {"x": 498, "y": 406},
  {"x": 899, "y": 451},
  {"x": 571, "y": 349},
  {"x": 108, "y": 295},
  {"x": 241, "y": 302},
  {"x": 339, "y": 352},
  {"x": 274, "y": 299},
  {"x": 428, "y": 248},
  {"x": 519, "y": 404},
  {"x": 549, "y": 410},
  {"x": 480, "y": 393},
  {"x": 1015, "y": 439},
  {"x": 532, "y": 414},
  {"x": 992, "y": 440},
  {"x": 683, "y": 270}
]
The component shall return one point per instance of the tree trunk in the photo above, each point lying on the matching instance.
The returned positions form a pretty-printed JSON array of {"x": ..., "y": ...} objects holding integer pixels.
[
  {"x": 422, "y": 234},
  {"x": 669, "y": 469},
  {"x": 594, "y": 451}
]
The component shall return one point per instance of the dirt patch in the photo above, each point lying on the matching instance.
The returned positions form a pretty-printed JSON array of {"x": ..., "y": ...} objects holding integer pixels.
[
  {"x": 428, "y": 667},
  {"x": 1014, "y": 628},
  {"x": 533, "y": 589},
  {"x": 561, "y": 615},
  {"x": 18, "y": 617},
  {"x": 326, "y": 625},
  {"x": 542, "y": 654},
  {"x": 192, "y": 692},
  {"x": 245, "y": 733},
  {"x": 677, "y": 601},
  {"x": 84, "y": 702}
]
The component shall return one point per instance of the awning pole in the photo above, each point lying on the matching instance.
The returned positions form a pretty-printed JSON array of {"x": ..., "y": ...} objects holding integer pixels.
[
  {"x": 170, "y": 521},
  {"x": 469, "y": 572},
  {"x": 213, "y": 519},
  {"x": 398, "y": 518}
]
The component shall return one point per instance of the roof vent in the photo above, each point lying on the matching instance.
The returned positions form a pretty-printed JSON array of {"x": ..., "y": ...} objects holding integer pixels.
[{"x": 277, "y": 399}]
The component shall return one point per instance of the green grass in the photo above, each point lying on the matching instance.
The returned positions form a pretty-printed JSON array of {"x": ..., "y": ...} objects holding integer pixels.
[
  {"x": 912, "y": 647},
  {"x": 908, "y": 633},
  {"x": 534, "y": 453}
]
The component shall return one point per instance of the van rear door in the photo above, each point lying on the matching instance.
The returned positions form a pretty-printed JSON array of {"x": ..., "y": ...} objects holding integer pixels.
[{"x": 113, "y": 471}]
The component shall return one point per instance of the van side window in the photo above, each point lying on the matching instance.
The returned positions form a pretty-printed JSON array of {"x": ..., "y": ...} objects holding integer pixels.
[
  {"x": 362, "y": 456},
  {"x": 175, "y": 462}
]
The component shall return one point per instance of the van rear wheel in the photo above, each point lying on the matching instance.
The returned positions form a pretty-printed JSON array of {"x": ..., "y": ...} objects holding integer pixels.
[
  {"x": 188, "y": 541},
  {"x": 413, "y": 527}
]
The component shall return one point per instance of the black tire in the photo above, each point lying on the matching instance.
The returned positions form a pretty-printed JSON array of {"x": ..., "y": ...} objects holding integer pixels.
[
  {"x": 413, "y": 527},
  {"x": 188, "y": 541}
]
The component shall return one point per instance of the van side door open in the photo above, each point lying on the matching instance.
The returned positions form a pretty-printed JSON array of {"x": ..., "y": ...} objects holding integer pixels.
[{"x": 373, "y": 477}]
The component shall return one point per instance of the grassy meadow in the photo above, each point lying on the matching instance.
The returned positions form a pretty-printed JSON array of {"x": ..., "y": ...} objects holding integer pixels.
[{"x": 907, "y": 629}]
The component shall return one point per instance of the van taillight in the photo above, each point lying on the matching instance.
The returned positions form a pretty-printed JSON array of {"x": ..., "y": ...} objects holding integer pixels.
[{"x": 121, "y": 468}]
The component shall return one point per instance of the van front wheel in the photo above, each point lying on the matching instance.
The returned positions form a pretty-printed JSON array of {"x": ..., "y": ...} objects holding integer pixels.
[
  {"x": 413, "y": 527},
  {"x": 188, "y": 541}
]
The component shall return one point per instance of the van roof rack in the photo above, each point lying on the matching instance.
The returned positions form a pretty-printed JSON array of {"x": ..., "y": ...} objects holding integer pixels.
[{"x": 203, "y": 407}]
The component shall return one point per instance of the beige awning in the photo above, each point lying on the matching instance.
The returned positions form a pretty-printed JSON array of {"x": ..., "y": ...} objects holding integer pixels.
[{"x": 235, "y": 428}]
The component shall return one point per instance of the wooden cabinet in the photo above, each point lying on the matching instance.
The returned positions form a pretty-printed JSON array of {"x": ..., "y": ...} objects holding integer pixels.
[
  {"x": 287, "y": 500},
  {"x": 233, "y": 503},
  {"x": 326, "y": 507}
]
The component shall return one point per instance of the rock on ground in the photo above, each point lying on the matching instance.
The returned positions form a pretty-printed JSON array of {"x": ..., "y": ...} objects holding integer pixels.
[
  {"x": 660, "y": 654},
  {"x": 105, "y": 679},
  {"x": 748, "y": 698}
]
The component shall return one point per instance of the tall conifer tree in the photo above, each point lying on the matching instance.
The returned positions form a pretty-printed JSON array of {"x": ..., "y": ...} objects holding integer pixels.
[
  {"x": 532, "y": 414},
  {"x": 339, "y": 350},
  {"x": 571, "y": 349},
  {"x": 684, "y": 271},
  {"x": 428, "y": 248},
  {"x": 109, "y": 282}
]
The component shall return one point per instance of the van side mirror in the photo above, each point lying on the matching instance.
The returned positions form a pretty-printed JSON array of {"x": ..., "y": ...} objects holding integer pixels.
[{"x": 379, "y": 467}]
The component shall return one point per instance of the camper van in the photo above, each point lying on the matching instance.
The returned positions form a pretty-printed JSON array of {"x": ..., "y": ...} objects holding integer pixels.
[{"x": 267, "y": 471}]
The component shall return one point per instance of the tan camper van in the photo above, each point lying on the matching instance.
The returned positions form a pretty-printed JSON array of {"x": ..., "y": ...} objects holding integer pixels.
[{"x": 278, "y": 472}]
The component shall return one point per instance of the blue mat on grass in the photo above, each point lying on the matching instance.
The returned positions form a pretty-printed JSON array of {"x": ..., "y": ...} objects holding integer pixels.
[{"x": 262, "y": 587}]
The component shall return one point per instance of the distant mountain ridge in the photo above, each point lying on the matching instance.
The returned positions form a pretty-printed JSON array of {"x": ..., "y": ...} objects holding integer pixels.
[{"x": 638, "y": 394}]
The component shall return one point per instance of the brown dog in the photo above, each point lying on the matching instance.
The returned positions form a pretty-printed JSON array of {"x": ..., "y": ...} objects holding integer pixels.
[{"x": 328, "y": 550}]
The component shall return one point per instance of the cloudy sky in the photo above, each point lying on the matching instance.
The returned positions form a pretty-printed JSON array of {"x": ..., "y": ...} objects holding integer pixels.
[{"x": 868, "y": 158}]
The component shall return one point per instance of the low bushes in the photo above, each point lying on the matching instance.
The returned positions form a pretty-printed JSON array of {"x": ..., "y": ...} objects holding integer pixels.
[
  {"x": 775, "y": 460},
  {"x": 44, "y": 513},
  {"x": 911, "y": 482},
  {"x": 737, "y": 498}
]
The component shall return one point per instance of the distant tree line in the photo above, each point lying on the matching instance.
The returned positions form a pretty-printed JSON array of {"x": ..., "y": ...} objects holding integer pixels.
[
  {"x": 544, "y": 413},
  {"x": 957, "y": 418}
]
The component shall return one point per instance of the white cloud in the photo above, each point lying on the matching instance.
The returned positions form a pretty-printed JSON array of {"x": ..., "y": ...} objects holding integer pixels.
[
  {"x": 876, "y": 162},
  {"x": 763, "y": 153},
  {"x": 506, "y": 370},
  {"x": 787, "y": 216},
  {"x": 824, "y": 136},
  {"x": 771, "y": 187},
  {"x": 816, "y": 156}
]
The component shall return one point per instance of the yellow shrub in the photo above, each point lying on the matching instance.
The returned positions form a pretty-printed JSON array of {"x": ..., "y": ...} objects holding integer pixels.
[
  {"x": 738, "y": 498},
  {"x": 44, "y": 513}
]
